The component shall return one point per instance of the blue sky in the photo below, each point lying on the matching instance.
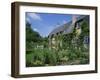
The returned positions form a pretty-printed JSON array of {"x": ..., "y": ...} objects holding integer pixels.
[{"x": 44, "y": 23}]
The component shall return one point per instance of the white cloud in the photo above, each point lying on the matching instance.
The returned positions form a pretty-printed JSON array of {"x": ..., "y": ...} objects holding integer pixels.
[
  {"x": 35, "y": 29},
  {"x": 28, "y": 19},
  {"x": 34, "y": 16}
]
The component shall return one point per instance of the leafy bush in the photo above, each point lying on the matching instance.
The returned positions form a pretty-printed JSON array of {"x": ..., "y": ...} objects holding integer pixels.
[
  {"x": 47, "y": 57},
  {"x": 41, "y": 57},
  {"x": 37, "y": 63},
  {"x": 29, "y": 58},
  {"x": 38, "y": 57},
  {"x": 84, "y": 61},
  {"x": 50, "y": 57}
]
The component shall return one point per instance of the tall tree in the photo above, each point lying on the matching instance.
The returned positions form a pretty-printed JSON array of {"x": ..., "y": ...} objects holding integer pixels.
[{"x": 32, "y": 36}]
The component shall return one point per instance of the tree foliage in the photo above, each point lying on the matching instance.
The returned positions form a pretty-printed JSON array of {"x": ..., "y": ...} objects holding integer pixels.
[{"x": 32, "y": 37}]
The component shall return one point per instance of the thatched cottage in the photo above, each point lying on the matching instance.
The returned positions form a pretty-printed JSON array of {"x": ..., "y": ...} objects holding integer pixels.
[{"x": 67, "y": 28}]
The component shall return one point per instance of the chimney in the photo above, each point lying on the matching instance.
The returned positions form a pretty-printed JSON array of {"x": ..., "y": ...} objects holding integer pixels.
[{"x": 74, "y": 18}]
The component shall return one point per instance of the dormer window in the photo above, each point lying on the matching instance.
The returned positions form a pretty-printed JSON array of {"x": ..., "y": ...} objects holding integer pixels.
[{"x": 86, "y": 40}]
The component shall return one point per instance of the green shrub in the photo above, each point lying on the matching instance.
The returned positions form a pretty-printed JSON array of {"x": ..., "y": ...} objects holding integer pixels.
[
  {"x": 47, "y": 57},
  {"x": 38, "y": 55},
  {"x": 41, "y": 57},
  {"x": 53, "y": 58},
  {"x": 29, "y": 57},
  {"x": 84, "y": 61},
  {"x": 37, "y": 63},
  {"x": 50, "y": 57},
  {"x": 29, "y": 64}
]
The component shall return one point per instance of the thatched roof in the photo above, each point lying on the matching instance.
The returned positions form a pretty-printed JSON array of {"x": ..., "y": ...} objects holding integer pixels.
[
  {"x": 61, "y": 28},
  {"x": 67, "y": 27}
]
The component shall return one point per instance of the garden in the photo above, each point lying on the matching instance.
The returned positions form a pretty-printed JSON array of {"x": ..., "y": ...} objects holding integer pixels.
[{"x": 38, "y": 52}]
